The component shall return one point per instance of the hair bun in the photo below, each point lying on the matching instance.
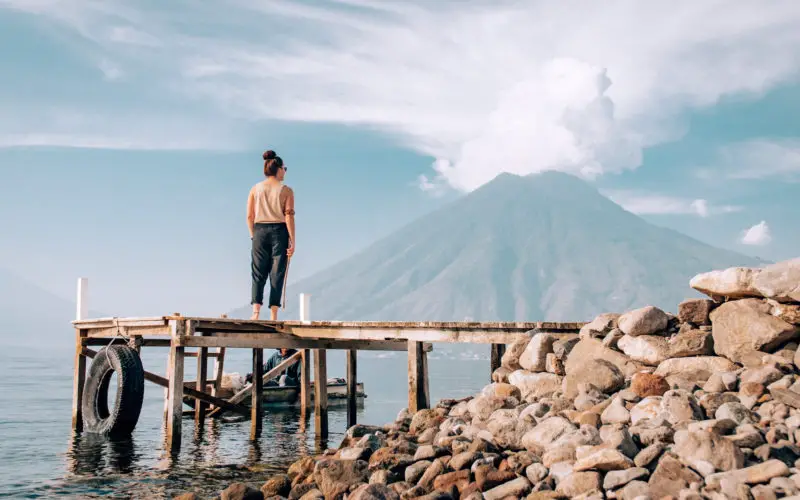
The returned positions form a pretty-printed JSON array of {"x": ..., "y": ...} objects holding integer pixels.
[{"x": 268, "y": 155}]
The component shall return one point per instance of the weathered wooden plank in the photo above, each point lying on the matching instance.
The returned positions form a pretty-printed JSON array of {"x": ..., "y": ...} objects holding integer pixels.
[
  {"x": 224, "y": 324},
  {"x": 520, "y": 326},
  {"x": 78, "y": 381},
  {"x": 200, "y": 407},
  {"x": 248, "y": 340},
  {"x": 257, "y": 393},
  {"x": 109, "y": 322},
  {"x": 113, "y": 331},
  {"x": 351, "y": 387},
  {"x": 418, "y": 398},
  {"x": 476, "y": 336},
  {"x": 188, "y": 391},
  {"x": 247, "y": 389},
  {"x": 321, "y": 393},
  {"x": 144, "y": 342}
]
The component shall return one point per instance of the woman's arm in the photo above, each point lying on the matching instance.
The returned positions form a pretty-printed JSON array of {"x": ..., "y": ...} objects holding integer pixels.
[
  {"x": 288, "y": 210},
  {"x": 251, "y": 213}
]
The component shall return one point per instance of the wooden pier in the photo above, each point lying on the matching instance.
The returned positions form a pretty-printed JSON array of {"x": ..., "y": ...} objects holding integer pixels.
[{"x": 209, "y": 338}]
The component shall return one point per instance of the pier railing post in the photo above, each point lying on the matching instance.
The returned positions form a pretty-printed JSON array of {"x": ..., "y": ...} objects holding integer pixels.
[
  {"x": 305, "y": 362},
  {"x": 175, "y": 399},
  {"x": 79, "y": 376},
  {"x": 418, "y": 391}
]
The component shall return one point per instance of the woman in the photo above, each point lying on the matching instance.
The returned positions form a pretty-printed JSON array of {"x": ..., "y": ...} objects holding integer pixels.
[{"x": 270, "y": 218}]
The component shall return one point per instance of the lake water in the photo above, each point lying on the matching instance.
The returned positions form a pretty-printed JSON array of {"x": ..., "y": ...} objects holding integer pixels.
[{"x": 41, "y": 457}]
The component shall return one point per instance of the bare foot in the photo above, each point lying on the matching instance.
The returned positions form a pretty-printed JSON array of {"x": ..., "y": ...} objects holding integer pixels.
[
  {"x": 273, "y": 313},
  {"x": 254, "y": 316}
]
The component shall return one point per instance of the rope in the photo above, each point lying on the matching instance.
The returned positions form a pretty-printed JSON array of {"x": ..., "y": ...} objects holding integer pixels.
[{"x": 118, "y": 335}]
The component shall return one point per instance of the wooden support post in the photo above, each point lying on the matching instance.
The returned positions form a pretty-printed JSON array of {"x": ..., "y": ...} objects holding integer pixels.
[
  {"x": 496, "y": 357},
  {"x": 256, "y": 409},
  {"x": 219, "y": 366},
  {"x": 352, "y": 388},
  {"x": 175, "y": 399},
  {"x": 202, "y": 370},
  {"x": 321, "y": 393},
  {"x": 305, "y": 362},
  {"x": 305, "y": 383},
  {"x": 418, "y": 396},
  {"x": 79, "y": 379},
  {"x": 79, "y": 376}
]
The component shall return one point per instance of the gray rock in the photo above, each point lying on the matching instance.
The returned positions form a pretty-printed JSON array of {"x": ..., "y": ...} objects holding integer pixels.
[
  {"x": 616, "y": 478},
  {"x": 643, "y": 321},
  {"x": 649, "y": 454},
  {"x": 691, "y": 343},
  {"x": 698, "y": 368},
  {"x": 736, "y": 412},
  {"x": 779, "y": 281},
  {"x": 695, "y": 311},
  {"x": 709, "y": 447},
  {"x": 743, "y": 326},
  {"x": 647, "y": 349},
  {"x": 534, "y": 356}
]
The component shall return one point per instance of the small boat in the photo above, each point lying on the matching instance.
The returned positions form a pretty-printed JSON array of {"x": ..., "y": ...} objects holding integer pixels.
[{"x": 273, "y": 395}]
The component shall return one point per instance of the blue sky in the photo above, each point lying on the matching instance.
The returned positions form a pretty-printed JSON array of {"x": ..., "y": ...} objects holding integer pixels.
[{"x": 131, "y": 132}]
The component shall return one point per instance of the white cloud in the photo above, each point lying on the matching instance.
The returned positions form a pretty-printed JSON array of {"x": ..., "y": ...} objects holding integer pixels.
[
  {"x": 758, "y": 235},
  {"x": 483, "y": 87},
  {"x": 658, "y": 204}
]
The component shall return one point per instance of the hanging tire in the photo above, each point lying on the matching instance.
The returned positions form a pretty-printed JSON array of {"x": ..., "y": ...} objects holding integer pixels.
[{"x": 121, "y": 419}]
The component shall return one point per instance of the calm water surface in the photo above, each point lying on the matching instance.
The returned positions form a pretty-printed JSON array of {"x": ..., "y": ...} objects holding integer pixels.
[{"x": 41, "y": 456}]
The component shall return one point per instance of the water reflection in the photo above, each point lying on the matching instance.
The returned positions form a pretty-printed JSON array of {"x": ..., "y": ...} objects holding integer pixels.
[
  {"x": 91, "y": 454},
  {"x": 42, "y": 458}
]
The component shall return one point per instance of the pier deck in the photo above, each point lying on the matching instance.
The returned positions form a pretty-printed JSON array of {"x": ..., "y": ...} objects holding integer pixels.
[{"x": 200, "y": 334}]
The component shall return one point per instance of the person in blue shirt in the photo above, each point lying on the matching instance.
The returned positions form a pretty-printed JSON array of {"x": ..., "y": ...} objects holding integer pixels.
[{"x": 289, "y": 376}]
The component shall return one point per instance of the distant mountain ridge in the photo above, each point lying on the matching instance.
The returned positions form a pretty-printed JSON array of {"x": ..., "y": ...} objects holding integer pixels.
[
  {"x": 543, "y": 247},
  {"x": 34, "y": 317}
]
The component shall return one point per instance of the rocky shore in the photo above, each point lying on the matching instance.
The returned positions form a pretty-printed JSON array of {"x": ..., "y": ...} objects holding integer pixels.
[{"x": 704, "y": 404}]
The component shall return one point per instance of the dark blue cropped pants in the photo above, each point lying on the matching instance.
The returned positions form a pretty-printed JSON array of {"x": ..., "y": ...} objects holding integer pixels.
[{"x": 269, "y": 260}]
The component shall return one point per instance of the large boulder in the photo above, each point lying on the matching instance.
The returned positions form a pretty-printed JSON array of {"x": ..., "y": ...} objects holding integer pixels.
[
  {"x": 535, "y": 385},
  {"x": 742, "y": 326},
  {"x": 734, "y": 283},
  {"x": 643, "y": 321},
  {"x": 589, "y": 348},
  {"x": 534, "y": 356},
  {"x": 779, "y": 281},
  {"x": 602, "y": 374}
]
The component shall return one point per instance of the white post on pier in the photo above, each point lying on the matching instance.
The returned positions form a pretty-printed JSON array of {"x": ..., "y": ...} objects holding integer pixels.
[
  {"x": 305, "y": 304},
  {"x": 82, "y": 311}
]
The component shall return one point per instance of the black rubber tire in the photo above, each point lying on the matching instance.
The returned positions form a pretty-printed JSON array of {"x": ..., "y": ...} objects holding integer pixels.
[{"x": 122, "y": 418}]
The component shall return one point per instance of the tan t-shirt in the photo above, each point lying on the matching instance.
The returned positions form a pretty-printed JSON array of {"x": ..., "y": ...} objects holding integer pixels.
[{"x": 269, "y": 202}]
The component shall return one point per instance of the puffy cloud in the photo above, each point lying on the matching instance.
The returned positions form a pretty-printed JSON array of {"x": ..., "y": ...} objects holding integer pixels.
[
  {"x": 482, "y": 87},
  {"x": 758, "y": 235}
]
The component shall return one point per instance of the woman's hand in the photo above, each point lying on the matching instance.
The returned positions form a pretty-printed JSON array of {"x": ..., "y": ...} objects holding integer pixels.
[{"x": 290, "y": 250}]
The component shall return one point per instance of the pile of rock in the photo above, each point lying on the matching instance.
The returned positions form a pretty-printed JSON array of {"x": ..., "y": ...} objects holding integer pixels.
[{"x": 645, "y": 404}]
